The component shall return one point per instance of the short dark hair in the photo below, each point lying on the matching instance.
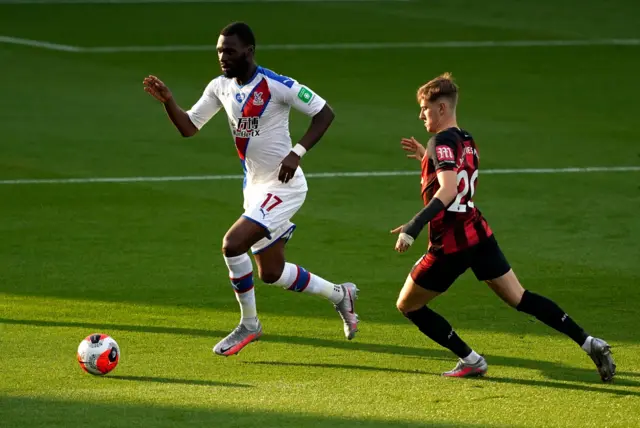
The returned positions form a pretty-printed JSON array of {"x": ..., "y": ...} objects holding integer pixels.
[
  {"x": 441, "y": 86},
  {"x": 242, "y": 30}
]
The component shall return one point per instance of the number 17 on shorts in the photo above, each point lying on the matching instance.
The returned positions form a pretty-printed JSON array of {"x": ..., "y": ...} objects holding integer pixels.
[{"x": 273, "y": 209}]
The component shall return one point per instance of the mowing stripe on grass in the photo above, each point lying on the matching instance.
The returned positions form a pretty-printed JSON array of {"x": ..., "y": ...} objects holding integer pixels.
[
  {"x": 310, "y": 175},
  {"x": 190, "y": 1},
  {"x": 326, "y": 46}
]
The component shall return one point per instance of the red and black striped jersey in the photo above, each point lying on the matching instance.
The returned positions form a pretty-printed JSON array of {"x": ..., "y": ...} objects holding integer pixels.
[{"x": 461, "y": 224}]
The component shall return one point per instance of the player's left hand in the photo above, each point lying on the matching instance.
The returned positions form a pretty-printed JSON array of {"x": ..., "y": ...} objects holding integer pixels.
[
  {"x": 288, "y": 167},
  {"x": 404, "y": 241},
  {"x": 415, "y": 149}
]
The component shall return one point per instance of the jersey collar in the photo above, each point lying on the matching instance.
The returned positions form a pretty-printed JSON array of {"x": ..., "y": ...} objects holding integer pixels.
[{"x": 258, "y": 71}]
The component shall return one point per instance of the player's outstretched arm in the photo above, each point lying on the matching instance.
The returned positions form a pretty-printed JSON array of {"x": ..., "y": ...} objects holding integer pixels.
[
  {"x": 319, "y": 125},
  {"x": 157, "y": 89},
  {"x": 442, "y": 199}
]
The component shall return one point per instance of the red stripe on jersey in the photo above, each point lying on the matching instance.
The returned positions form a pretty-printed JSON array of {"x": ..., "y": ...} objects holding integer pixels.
[
  {"x": 447, "y": 232},
  {"x": 471, "y": 234},
  {"x": 486, "y": 227},
  {"x": 470, "y": 154},
  {"x": 255, "y": 106}
]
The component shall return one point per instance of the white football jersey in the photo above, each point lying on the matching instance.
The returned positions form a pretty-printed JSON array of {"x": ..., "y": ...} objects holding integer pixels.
[{"x": 258, "y": 115}]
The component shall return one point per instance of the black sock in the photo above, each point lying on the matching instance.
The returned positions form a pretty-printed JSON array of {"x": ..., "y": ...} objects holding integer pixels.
[
  {"x": 439, "y": 330},
  {"x": 551, "y": 314}
]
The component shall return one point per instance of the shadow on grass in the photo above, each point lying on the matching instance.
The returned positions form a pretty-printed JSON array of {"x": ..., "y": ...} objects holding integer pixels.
[
  {"x": 178, "y": 381},
  {"x": 36, "y": 413},
  {"x": 528, "y": 382},
  {"x": 551, "y": 370},
  {"x": 559, "y": 385},
  {"x": 630, "y": 374},
  {"x": 217, "y": 334}
]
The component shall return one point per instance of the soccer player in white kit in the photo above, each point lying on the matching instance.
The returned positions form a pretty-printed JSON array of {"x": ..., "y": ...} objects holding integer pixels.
[{"x": 257, "y": 102}]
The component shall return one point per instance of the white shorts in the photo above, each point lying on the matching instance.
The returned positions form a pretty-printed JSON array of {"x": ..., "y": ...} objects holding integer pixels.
[{"x": 272, "y": 205}]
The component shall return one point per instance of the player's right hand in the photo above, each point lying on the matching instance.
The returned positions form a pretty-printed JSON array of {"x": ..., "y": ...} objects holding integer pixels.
[
  {"x": 157, "y": 89},
  {"x": 404, "y": 241},
  {"x": 412, "y": 146}
]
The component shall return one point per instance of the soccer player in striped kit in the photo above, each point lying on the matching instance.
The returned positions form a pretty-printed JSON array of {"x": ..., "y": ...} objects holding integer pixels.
[
  {"x": 257, "y": 102},
  {"x": 460, "y": 238}
]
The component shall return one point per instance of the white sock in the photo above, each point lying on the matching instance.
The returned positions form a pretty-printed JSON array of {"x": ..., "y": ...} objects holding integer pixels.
[
  {"x": 587, "y": 344},
  {"x": 472, "y": 358},
  {"x": 241, "y": 276},
  {"x": 298, "y": 279}
]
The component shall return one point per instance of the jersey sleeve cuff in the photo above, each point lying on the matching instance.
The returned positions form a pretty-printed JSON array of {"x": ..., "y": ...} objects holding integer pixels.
[
  {"x": 192, "y": 117},
  {"x": 319, "y": 109}
]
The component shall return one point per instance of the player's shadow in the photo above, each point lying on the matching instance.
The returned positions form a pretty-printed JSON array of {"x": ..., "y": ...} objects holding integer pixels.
[
  {"x": 560, "y": 385},
  {"x": 488, "y": 378},
  {"x": 178, "y": 381},
  {"x": 556, "y": 371},
  {"x": 549, "y": 369}
]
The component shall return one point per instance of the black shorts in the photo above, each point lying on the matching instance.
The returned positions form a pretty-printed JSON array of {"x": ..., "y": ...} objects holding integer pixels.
[{"x": 438, "y": 272}]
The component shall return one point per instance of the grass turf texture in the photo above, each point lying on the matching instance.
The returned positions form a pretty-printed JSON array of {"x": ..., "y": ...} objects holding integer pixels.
[{"x": 141, "y": 261}]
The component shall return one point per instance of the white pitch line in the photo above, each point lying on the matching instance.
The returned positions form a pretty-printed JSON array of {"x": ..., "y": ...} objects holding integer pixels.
[
  {"x": 453, "y": 44},
  {"x": 39, "y": 44},
  {"x": 326, "y": 46},
  {"x": 311, "y": 175}
]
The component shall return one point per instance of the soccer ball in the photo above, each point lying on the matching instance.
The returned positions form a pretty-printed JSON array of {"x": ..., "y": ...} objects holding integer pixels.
[{"x": 98, "y": 354}]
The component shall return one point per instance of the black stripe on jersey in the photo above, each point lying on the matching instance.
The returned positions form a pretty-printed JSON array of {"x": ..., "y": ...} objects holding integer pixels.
[
  {"x": 459, "y": 232},
  {"x": 478, "y": 225}
]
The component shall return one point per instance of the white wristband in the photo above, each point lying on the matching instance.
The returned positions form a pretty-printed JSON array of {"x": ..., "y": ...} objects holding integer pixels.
[
  {"x": 408, "y": 239},
  {"x": 299, "y": 150}
]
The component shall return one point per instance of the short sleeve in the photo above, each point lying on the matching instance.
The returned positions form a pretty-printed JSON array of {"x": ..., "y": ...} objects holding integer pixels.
[
  {"x": 301, "y": 98},
  {"x": 441, "y": 150},
  {"x": 206, "y": 107}
]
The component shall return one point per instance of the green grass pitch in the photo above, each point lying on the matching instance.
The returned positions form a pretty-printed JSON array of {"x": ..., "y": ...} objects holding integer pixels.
[{"x": 141, "y": 261}]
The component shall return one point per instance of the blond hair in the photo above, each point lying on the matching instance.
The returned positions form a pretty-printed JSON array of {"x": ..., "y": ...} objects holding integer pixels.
[{"x": 441, "y": 86}]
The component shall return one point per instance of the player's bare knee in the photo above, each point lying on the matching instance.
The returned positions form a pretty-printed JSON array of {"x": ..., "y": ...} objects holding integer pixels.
[
  {"x": 270, "y": 275},
  {"x": 404, "y": 306},
  {"x": 231, "y": 247}
]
